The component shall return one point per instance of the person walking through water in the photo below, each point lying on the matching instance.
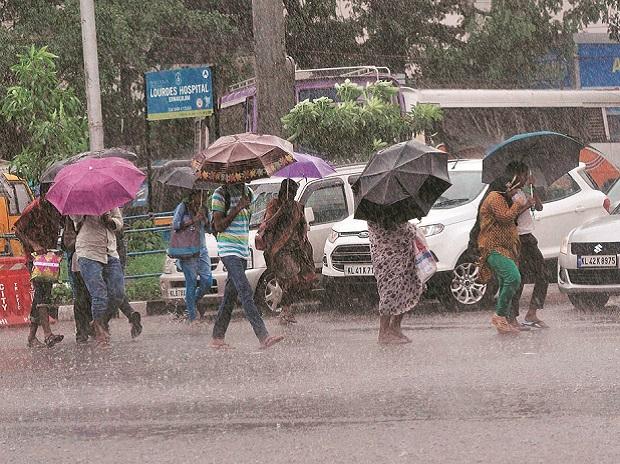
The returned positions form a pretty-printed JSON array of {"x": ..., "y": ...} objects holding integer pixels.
[
  {"x": 532, "y": 264},
  {"x": 288, "y": 253},
  {"x": 498, "y": 244},
  {"x": 231, "y": 217},
  {"x": 100, "y": 266},
  {"x": 392, "y": 250},
  {"x": 38, "y": 229},
  {"x": 192, "y": 212}
]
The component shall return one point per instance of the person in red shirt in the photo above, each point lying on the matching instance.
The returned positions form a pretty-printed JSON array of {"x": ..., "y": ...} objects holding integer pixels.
[{"x": 38, "y": 229}]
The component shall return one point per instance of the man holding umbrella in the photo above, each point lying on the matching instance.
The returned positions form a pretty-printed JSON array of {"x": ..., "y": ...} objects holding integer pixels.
[{"x": 233, "y": 161}]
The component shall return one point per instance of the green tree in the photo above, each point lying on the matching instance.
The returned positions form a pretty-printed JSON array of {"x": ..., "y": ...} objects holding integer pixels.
[
  {"x": 46, "y": 114},
  {"x": 362, "y": 122},
  {"x": 515, "y": 44}
]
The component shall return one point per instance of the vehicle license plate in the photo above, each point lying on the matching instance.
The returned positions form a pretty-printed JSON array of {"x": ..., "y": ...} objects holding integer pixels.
[
  {"x": 176, "y": 293},
  {"x": 597, "y": 261},
  {"x": 358, "y": 270}
]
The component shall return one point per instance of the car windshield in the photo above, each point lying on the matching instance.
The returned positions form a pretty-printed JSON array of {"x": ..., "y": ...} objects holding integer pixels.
[
  {"x": 466, "y": 185},
  {"x": 263, "y": 193}
]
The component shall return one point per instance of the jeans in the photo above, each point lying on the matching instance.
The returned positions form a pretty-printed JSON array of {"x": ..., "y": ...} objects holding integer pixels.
[
  {"x": 237, "y": 285},
  {"x": 192, "y": 269},
  {"x": 81, "y": 307},
  {"x": 105, "y": 284},
  {"x": 533, "y": 270},
  {"x": 509, "y": 278}
]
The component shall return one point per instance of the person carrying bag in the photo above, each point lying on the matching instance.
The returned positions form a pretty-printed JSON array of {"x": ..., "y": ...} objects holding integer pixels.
[{"x": 188, "y": 245}]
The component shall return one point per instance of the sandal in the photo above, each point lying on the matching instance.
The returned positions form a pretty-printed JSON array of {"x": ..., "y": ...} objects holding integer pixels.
[
  {"x": 270, "y": 341},
  {"x": 220, "y": 345},
  {"x": 538, "y": 324},
  {"x": 53, "y": 340},
  {"x": 285, "y": 320}
]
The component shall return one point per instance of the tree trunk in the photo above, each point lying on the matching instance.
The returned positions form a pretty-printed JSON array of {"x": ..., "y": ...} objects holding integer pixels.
[{"x": 274, "y": 72}]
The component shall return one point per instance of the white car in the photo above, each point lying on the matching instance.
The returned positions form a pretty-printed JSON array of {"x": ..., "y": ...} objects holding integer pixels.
[
  {"x": 326, "y": 201},
  {"x": 589, "y": 266},
  {"x": 570, "y": 201}
]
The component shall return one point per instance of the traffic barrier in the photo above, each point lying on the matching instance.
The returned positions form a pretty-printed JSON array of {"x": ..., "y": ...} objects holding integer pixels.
[{"x": 16, "y": 291}]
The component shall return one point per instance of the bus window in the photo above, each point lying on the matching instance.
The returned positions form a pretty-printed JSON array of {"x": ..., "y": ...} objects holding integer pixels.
[{"x": 613, "y": 121}]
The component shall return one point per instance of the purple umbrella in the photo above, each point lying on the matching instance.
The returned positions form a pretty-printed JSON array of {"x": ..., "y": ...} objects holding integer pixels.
[
  {"x": 95, "y": 186},
  {"x": 306, "y": 166}
]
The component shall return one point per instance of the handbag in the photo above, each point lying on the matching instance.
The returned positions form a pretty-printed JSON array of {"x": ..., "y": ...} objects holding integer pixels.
[
  {"x": 46, "y": 267},
  {"x": 425, "y": 262},
  {"x": 184, "y": 243}
]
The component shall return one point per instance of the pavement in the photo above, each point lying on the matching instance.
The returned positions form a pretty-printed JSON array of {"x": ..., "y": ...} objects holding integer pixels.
[{"x": 459, "y": 393}]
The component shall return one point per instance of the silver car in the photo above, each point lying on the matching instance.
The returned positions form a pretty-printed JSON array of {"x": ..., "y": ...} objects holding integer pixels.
[{"x": 589, "y": 263}]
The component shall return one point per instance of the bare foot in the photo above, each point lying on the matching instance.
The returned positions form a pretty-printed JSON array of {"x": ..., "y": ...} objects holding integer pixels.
[
  {"x": 219, "y": 344},
  {"x": 392, "y": 339},
  {"x": 270, "y": 341}
]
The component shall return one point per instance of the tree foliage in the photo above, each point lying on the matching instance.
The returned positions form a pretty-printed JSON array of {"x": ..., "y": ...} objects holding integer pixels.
[
  {"x": 45, "y": 113},
  {"x": 363, "y": 121}
]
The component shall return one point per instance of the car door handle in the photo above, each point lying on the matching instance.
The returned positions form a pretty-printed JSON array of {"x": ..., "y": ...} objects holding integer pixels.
[{"x": 579, "y": 209}]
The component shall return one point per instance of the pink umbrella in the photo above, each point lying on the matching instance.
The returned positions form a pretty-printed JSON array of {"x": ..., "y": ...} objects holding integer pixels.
[{"x": 95, "y": 186}]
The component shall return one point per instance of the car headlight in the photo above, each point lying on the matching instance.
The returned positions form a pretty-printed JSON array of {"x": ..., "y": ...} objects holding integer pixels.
[
  {"x": 564, "y": 246},
  {"x": 432, "y": 229},
  {"x": 333, "y": 235}
]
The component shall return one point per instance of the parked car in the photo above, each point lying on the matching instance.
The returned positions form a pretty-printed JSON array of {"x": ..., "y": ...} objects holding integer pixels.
[
  {"x": 588, "y": 268},
  {"x": 570, "y": 201},
  {"x": 326, "y": 201}
]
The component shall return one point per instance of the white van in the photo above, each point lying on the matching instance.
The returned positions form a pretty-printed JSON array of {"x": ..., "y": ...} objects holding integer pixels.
[{"x": 327, "y": 201}]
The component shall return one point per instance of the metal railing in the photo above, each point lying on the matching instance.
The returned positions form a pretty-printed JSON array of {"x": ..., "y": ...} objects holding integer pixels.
[{"x": 130, "y": 219}]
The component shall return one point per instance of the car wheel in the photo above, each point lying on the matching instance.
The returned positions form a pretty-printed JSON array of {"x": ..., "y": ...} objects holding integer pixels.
[
  {"x": 465, "y": 288},
  {"x": 588, "y": 301},
  {"x": 268, "y": 294}
]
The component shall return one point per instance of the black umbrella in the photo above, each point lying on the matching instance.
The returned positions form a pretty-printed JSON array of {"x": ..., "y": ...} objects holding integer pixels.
[
  {"x": 49, "y": 174},
  {"x": 401, "y": 182},
  {"x": 549, "y": 155},
  {"x": 179, "y": 173}
]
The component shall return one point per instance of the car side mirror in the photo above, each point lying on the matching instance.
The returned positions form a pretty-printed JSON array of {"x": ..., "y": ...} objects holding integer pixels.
[{"x": 309, "y": 213}]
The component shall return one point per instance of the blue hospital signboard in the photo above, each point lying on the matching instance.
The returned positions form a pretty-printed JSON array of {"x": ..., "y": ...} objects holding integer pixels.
[
  {"x": 179, "y": 93},
  {"x": 599, "y": 65}
]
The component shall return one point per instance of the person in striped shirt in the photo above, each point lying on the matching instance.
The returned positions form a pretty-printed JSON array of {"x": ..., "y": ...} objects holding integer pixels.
[{"x": 231, "y": 209}]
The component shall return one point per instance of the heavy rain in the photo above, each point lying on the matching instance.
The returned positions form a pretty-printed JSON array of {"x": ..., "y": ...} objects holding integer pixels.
[{"x": 309, "y": 231}]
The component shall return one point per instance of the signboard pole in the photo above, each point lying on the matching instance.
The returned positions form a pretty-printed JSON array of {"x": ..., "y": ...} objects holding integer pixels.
[
  {"x": 147, "y": 151},
  {"x": 214, "y": 120}
]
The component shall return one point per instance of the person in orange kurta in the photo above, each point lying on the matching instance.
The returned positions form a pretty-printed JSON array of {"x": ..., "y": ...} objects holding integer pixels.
[{"x": 498, "y": 243}]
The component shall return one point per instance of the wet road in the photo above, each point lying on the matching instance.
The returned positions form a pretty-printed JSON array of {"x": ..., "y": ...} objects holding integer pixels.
[{"x": 329, "y": 393}]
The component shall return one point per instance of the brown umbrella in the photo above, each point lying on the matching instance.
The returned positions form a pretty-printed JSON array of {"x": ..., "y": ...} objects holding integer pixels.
[{"x": 242, "y": 158}]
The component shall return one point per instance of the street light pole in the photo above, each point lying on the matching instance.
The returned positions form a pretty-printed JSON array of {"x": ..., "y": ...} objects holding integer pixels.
[{"x": 91, "y": 74}]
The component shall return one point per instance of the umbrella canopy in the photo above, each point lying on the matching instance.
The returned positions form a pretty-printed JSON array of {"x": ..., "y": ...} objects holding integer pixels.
[
  {"x": 549, "y": 155},
  {"x": 306, "y": 166},
  {"x": 50, "y": 173},
  {"x": 401, "y": 182},
  {"x": 179, "y": 173},
  {"x": 242, "y": 158},
  {"x": 94, "y": 186}
]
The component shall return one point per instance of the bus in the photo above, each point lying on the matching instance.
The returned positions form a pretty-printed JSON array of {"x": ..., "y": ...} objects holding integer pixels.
[
  {"x": 476, "y": 119},
  {"x": 238, "y": 111}
]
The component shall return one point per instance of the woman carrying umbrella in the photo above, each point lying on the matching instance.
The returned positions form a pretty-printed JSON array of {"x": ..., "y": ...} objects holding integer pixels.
[
  {"x": 192, "y": 212},
  {"x": 398, "y": 184},
  {"x": 498, "y": 243},
  {"x": 288, "y": 253}
]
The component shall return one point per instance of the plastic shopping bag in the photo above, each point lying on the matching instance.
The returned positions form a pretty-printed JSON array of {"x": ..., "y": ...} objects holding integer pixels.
[
  {"x": 46, "y": 268},
  {"x": 424, "y": 260}
]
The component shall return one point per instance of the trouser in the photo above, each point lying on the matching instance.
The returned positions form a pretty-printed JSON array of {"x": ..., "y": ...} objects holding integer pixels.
[
  {"x": 105, "y": 283},
  {"x": 81, "y": 307},
  {"x": 533, "y": 269},
  {"x": 42, "y": 295},
  {"x": 193, "y": 268},
  {"x": 509, "y": 279},
  {"x": 237, "y": 285}
]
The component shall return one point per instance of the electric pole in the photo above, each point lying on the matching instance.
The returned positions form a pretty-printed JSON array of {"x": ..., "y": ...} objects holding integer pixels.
[
  {"x": 91, "y": 74},
  {"x": 275, "y": 76}
]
